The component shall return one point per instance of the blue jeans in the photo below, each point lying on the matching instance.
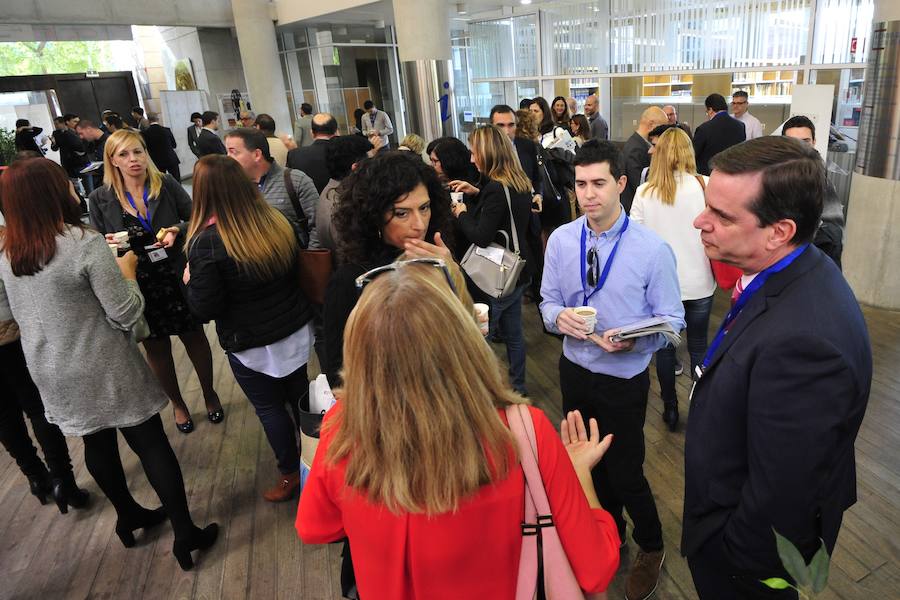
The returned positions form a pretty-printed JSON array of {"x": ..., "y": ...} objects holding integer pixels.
[
  {"x": 506, "y": 316},
  {"x": 271, "y": 398},
  {"x": 696, "y": 316}
]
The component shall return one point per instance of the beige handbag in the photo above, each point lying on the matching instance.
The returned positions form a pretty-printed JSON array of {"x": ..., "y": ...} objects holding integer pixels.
[{"x": 496, "y": 269}]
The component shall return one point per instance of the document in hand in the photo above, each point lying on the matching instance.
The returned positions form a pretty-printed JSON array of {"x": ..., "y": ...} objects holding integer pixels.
[
  {"x": 92, "y": 167},
  {"x": 650, "y": 326}
]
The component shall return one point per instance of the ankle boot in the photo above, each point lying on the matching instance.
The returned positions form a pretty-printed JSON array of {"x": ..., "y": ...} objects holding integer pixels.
[
  {"x": 201, "y": 539},
  {"x": 40, "y": 486},
  {"x": 670, "y": 414},
  {"x": 285, "y": 489},
  {"x": 66, "y": 493},
  {"x": 145, "y": 519}
]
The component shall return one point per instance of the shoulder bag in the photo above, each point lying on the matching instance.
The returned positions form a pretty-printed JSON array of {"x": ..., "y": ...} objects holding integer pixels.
[
  {"x": 726, "y": 275},
  {"x": 496, "y": 269},
  {"x": 315, "y": 264},
  {"x": 544, "y": 569}
]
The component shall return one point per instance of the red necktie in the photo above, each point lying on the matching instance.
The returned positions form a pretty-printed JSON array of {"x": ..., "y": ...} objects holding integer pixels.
[{"x": 736, "y": 292}]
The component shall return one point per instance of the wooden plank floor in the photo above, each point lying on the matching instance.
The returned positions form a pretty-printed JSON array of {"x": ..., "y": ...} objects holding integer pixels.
[{"x": 47, "y": 555}]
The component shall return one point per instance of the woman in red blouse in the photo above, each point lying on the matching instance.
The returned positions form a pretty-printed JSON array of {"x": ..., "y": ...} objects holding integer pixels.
[{"x": 416, "y": 465}]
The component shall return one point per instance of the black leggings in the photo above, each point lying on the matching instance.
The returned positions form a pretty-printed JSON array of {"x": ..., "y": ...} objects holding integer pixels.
[{"x": 149, "y": 442}]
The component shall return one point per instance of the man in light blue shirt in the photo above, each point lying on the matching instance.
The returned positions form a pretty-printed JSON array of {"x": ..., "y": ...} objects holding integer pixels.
[{"x": 627, "y": 273}]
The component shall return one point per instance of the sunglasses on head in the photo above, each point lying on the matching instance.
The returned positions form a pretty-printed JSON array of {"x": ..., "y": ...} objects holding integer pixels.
[{"x": 369, "y": 276}]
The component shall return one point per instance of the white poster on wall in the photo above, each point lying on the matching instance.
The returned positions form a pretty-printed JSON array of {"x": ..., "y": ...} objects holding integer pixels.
[{"x": 815, "y": 102}]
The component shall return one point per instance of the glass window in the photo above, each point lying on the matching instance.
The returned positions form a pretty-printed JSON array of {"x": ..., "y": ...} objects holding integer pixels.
[
  {"x": 573, "y": 41},
  {"x": 504, "y": 47},
  {"x": 842, "y": 31}
]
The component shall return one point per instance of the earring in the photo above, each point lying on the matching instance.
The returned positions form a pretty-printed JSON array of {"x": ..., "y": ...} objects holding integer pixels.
[{"x": 379, "y": 234}]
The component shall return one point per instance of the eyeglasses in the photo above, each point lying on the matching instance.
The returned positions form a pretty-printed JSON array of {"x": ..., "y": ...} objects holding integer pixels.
[
  {"x": 593, "y": 262},
  {"x": 369, "y": 276}
]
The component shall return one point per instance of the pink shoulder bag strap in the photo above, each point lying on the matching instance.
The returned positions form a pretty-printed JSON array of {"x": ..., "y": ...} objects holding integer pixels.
[{"x": 544, "y": 569}]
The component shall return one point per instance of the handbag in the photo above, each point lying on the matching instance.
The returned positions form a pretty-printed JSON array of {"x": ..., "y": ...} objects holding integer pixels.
[
  {"x": 496, "y": 269},
  {"x": 726, "y": 275},
  {"x": 544, "y": 569},
  {"x": 315, "y": 263}
]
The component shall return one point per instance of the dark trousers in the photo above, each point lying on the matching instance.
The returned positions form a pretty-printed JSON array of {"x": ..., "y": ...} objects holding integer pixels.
[
  {"x": 19, "y": 395},
  {"x": 620, "y": 406},
  {"x": 148, "y": 440},
  {"x": 506, "y": 318},
  {"x": 714, "y": 584},
  {"x": 271, "y": 397},
  {"x": 696, "y": 316}
]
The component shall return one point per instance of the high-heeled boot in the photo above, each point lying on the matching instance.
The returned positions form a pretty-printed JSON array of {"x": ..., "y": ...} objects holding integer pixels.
[
  {"x": 66, "y": 493},
  {"x": 145, "y": 519},
  {"x": 40, "y": 486},
  {"x": 201, "y": 539}
]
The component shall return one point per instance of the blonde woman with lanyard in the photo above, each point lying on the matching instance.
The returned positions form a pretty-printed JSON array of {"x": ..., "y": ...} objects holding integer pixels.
[{"x": 137, "y": 198}]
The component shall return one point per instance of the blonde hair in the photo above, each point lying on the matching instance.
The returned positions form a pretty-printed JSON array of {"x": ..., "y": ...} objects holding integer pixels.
[
  {"x": 413, "y": 142},
  {"x": 419, "y": 427},
  {"x": 255, "y": 235},
  {"x": 498, "y": 158},
  {"x": 673, "y": 154},
  {"x": 113, "y": 178}
]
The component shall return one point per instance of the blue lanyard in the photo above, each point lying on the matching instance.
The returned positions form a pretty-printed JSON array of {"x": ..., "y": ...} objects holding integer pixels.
[
  {"x": 744, "y": 298},
  {"x": 606, "y": 267},
  {"x": 145, "y": 221}
]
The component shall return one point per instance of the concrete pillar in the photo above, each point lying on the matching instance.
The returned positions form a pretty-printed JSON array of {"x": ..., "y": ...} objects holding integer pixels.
[
  {"x": 423, "y": 43},
  {"x": 871, "y": 257},
  {"x": 259, "y": 54}
]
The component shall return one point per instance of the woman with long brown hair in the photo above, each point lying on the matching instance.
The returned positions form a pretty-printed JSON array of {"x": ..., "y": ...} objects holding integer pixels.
[
  {"x": 243, "y": 273},
  {"x": 76, "y": 306},
  {"x": 416, "y": 465},
  {"x": 137, "y": 198},
  {"x": 504, "y": 205}
]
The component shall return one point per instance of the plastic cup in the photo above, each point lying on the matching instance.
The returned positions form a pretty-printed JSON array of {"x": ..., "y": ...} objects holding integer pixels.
[
  {"x": 589, "y": 314},
  {"x": 456, "y": 197},
  {"x": 481, "y": 311}
]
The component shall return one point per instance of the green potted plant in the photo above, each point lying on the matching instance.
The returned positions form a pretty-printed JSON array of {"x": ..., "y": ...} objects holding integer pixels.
[
  {"x": 7, "y": 146},
  {"x": 810, "y": 579}
]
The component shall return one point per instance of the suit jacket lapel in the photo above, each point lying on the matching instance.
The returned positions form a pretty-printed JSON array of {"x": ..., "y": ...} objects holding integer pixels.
[{"x": 760, "y": 301}]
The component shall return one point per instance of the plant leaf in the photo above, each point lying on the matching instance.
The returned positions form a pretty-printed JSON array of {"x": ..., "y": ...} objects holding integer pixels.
[
  {"x": 776, "y": 583},
  {"x": 792, "y": 560},
  {"x": 818, "y": 568}
]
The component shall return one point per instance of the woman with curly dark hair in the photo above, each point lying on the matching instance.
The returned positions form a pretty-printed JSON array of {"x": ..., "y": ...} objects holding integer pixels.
[{"x": 391, "y": 204}]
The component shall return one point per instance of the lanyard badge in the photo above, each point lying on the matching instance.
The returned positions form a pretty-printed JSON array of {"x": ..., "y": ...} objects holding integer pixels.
[
  {"x": 145, "y": 221},
  {"x": 605, "y": 273}
]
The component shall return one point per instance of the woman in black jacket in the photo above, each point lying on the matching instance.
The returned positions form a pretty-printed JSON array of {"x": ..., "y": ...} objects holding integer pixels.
[
  {"x": 391, "y": 204},
  {"x": 137, "y": 198},
  {"x": 243, "y": 273},
  {"x": 496, "y": 160}
]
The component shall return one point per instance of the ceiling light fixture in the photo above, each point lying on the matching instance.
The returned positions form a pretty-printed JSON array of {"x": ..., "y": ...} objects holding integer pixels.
[
  {"x": 461, "y": 8},
  {"x": 525, "y": 2}
]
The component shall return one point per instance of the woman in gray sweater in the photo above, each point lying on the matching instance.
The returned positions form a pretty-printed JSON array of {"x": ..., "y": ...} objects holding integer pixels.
[{"x": 76, "y": 308}]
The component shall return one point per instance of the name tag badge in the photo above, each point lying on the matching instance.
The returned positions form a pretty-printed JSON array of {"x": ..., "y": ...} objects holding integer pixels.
[{"x": 157, "y": 254}]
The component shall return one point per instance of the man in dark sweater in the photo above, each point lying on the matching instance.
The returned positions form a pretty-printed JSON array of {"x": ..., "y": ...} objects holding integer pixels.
[
  {"x": 25, "y": 135},
  {"x": 161, "y": 147},
  {"x": 311, "y": 159}
]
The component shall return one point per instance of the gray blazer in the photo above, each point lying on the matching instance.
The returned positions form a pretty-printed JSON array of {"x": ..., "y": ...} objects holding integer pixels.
[
  {"x": 171, "y": 209},
  {"x": 75, "y": 315}
]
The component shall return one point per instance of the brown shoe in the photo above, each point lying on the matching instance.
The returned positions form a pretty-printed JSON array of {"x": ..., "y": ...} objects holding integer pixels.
[
  {"x": 644, "y": 575},
  {"x": 285, "y": 489}
]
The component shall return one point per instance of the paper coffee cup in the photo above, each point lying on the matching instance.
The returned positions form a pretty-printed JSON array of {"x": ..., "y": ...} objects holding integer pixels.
[
  {"x": 120, "y": 237},
  {"x": 589, "y": 314},
  {"x": 481, "y": 310},
  {"x": 456, "y": 197},
  {"x": 114, "y": 248}
]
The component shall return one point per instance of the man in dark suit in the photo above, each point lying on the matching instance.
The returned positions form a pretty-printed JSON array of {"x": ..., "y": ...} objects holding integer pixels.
[
  {"x": 161, "y": 146},
  {"x": 780, "y": 398},
  {"x": 721, "y": 131},
  {"x": 193, "y": 132},
  {"x": 311, "y": 159},
  {"x": 208, "y": 142},
  {"x": 635, "y": 156}
]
